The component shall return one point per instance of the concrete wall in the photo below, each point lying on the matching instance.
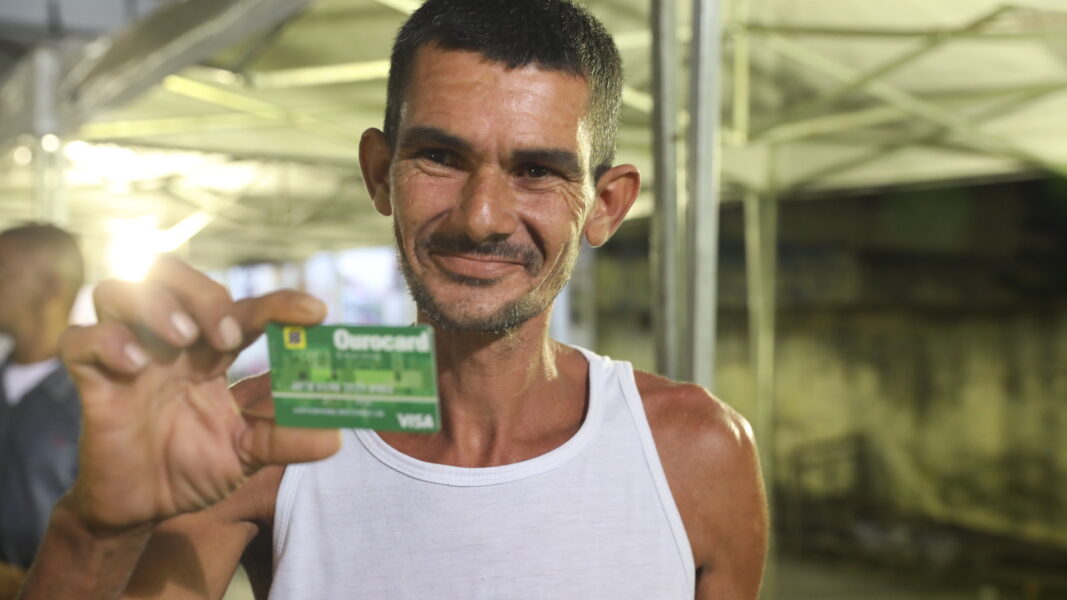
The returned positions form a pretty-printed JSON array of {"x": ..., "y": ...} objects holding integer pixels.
[{"x": 931, "y": 326}]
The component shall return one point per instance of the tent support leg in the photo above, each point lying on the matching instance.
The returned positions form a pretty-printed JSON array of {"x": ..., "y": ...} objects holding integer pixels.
[
  {"x": 702, "y": 197},
  {"x": 761, "y": 224},
  {"x": 666, "y": 238}
]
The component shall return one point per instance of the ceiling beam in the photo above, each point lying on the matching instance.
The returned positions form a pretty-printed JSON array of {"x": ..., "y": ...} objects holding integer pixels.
[
  {"x": 267, "y": 154},
  {"x": 878, "y": 33},
  {"x": 103, "y": 73},
  {"x": 931, "y": 137},
  {"x": 260, "y": 109},
  {"x": 827, "y": 100},
  {"x": 963, "y": 128},
  {"x": 883, "y": 114},
  {"x": 402, "y": 6},
  {"x": 354, "y": 72},
  {"x": 177, "y": 35}
]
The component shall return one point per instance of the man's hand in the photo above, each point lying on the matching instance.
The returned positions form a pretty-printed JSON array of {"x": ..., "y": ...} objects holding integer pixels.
[
  {"x": 162, "y": 434},
  {"x": 10, "y": 580}
]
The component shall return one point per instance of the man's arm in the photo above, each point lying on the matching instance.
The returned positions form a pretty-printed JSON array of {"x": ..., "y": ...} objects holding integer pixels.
[
  {"x": 10, "y": 580},
  {"x": 75, "y": 561},
  {"x": 710, "y": 459},
  {"x": 165, "y": 444},
  {"x": 193, "y": 555}
]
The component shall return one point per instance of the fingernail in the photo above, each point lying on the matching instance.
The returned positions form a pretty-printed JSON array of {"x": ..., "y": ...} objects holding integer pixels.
[
  {"x": 230, "y": 332},
  {"x": 184, "y": 325},
  {"x": 135, "y": 355},
  {"x": 312, "y": 306}
]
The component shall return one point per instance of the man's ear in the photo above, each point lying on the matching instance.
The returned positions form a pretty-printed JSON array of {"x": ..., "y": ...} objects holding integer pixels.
[
  {"x": 616, "y": 191},
  {"x": 374, "y": 158}
]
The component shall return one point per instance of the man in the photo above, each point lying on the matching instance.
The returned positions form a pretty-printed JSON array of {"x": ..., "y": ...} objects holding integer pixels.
[
  {"x": 557, "y": 473},
  {"x": 40, "y": 275}
]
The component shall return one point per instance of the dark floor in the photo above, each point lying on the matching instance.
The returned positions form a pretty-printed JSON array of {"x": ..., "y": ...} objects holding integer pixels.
[{"x": 821, "y": 579}]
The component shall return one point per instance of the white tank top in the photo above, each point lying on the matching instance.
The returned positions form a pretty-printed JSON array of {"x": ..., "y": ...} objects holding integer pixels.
[{"x": 591, "y": 519}]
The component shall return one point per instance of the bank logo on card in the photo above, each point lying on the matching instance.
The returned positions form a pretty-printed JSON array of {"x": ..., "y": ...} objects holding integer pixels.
[{"x": 296, "y": 338}]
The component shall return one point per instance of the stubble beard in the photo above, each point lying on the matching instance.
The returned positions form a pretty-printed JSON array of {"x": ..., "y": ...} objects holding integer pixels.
[{"x": 460, "y": 318}]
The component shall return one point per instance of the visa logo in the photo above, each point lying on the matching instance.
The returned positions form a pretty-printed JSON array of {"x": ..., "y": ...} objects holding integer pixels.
[{"x": 415, "y": 420}]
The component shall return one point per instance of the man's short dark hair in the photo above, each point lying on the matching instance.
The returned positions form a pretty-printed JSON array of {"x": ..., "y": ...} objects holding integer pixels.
[
  {"x": 63, "y": 253},
  {"x": 555, "y": 35}
]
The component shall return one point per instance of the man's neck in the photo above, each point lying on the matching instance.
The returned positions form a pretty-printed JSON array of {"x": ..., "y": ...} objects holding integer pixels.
[
  {"x": 484, "y": 374},
  {"x": 33, "y": 351},
  {"x": 35, "y": 340},
  {"x": 506, "y": 396}
]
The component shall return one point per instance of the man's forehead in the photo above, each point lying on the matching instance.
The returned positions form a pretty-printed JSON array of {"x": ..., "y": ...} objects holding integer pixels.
[
  {"x": 459, "y": 83},
  {"x": 436, "y": 65},
  {"x": 11, "y": 254},
  {"x": 22, "y": 250}
]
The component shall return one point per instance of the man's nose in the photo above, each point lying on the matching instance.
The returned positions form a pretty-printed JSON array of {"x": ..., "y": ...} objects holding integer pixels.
[{"x": 487, "y": 208}]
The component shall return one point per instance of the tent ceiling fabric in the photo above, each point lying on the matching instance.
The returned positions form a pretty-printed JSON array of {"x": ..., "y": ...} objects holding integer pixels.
[{"x": 839, "y": 95}]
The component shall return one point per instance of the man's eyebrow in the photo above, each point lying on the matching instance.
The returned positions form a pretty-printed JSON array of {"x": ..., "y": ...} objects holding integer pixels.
[
  {"x": 424, "y": 135},
  {"x": 563, "y": 161}
]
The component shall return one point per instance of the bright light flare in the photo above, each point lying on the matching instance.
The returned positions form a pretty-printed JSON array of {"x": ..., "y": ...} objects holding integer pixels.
[
  {"x": 136, "y": 242},
  {"x": 50, "y": 142},
  {"x": 22, "y": 156},
  {"x": 134, "y": 245},
  {"x": 117, "y": 167},
  {"x": 182, "y": 231}
]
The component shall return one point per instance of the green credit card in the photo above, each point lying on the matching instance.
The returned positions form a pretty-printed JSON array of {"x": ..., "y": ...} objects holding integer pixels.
[{"x": 371, "y": 377}]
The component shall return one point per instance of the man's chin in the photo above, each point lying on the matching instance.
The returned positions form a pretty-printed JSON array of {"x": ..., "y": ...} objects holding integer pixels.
[
  {"x": 461, "y": 304},
  {"x": 499, "y": 323}
]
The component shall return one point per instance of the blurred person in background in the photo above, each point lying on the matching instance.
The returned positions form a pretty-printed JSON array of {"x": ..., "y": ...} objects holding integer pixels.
[{"x": 40, "y": 415}]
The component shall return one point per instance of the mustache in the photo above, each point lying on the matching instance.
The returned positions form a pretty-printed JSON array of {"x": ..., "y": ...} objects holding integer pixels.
[{"x": 440, "y": 242}]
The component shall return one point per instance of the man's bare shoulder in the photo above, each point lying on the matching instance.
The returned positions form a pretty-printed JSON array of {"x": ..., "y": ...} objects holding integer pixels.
[
  {"x": 709, "y": 456},
  {"x": 690, "y": 416}
]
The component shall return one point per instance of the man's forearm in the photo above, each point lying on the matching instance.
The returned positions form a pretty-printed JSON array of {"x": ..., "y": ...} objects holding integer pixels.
[
  {"x": 10, "y": 580},
  {"x": 76, "y": 562}
]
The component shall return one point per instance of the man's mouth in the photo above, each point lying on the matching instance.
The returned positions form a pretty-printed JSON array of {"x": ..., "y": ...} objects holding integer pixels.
[
  {"x": 477, "y": 266},
  {"x": 463, "y": 259}
]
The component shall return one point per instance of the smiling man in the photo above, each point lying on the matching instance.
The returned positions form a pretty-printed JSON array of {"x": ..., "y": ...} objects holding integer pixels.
[{"x": 557, "y": 473}]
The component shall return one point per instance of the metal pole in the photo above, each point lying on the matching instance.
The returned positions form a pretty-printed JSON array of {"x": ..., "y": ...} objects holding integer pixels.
[
  {"x": 49, "y": 204},
  {"x": 761, "y": 236},
  {"x": 742, "y": 76},
  {"x": 667, "y": 287},
  {"x": 703, "y": 201},
  {"x": 761, "y": 217}
]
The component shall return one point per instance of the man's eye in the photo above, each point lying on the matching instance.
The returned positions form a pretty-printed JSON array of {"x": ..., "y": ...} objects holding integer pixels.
[
  {"x": 433, "y": 155},
  {"x": 535, "y": 171}
]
